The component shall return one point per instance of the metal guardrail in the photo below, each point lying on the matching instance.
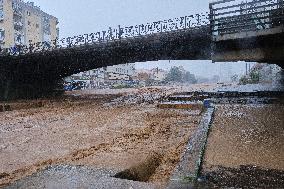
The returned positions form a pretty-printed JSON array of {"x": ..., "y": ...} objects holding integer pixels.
[
  {"x": 234, "y": 16},
  {"x": 112, "y": 34},
  {"x": 225, "y": 17}
]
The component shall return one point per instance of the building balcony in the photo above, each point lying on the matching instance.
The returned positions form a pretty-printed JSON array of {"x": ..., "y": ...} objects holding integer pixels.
[
  {"x": 17, "y": 9},
  {"x": 2, "y": 36},
  {"x": 2, "y": 40},
  {"x": 18, "y": 42},
  {"x": 18, "y": 13},
  {"x": 18, "y": 25},
  {"x": 18, "y": 32},
  {"x": 19, "y": 38},
  {"x": 46, "y": 29},
  {"x": 1, "y": 15}
]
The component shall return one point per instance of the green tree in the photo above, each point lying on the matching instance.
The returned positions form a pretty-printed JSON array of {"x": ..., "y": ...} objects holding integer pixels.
[
  {"x": 254, "y": 75},
  {"x": 175, "y": 75},
  {"x": 234, "y": 78},
  {"x": 243, "y": 80},
  {"x": 251, "y": 79},
  {"x": 189, "y": 78}
]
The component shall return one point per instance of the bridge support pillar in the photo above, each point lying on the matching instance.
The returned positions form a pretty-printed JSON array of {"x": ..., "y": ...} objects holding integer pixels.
[
  {"x": 11, "y": 89},
  {"x": 281, "y": 78}
]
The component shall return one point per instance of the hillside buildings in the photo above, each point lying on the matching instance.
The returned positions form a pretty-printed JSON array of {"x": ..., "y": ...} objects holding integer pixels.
[
  {"x": 268, "y": 73},
  {"x": 23, "y": 23},
  {"x": 154, "y": 74},
  {"x": 110, "y": 75},
  {"x": 118, "y": 75}
]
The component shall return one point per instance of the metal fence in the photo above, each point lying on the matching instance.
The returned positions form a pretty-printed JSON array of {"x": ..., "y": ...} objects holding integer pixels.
[
  {"x": 112, "y": 34},
  {"x": 234, "y": 16}
]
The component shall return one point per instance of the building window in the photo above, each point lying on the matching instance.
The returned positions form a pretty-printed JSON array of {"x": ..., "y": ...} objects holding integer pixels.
[
  {"x": 2, "y": 35},
  {"x": 28, "y": 13},
  {"x": 46, "y": 25},
  {"x": 46, "y": 37},
  {"x": 1, "y": 13},
  {"x": 29, "y": 23},
  {"x": 18, "y": 39},
  {"x": 37, "y": 26},
  {"x": 17, "y": 8}
]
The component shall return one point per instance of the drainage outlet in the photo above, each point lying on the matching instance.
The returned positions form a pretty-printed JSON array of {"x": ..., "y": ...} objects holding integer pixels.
[{"x": 143, "y": 171}]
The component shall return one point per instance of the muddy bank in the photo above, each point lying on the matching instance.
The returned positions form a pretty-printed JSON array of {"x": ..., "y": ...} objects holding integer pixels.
[{"x": 245, "y": 177}]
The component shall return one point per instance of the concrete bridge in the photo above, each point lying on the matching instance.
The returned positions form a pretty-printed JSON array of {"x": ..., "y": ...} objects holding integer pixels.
[
  {"x": 37, "y": 73},
  {"x": 251, "y": 31}
]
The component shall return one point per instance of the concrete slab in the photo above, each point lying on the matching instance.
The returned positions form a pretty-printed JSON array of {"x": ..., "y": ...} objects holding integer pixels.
[
  {"x": 187, "y": 170},
  {"x": 181, "y": 105},
  {"x": 66, "y": 176}
]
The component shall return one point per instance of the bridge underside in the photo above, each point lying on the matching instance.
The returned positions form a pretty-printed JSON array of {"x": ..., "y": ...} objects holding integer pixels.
[
  {"x": 35, "y": 75},
  {"x": 259, "y": 47}
]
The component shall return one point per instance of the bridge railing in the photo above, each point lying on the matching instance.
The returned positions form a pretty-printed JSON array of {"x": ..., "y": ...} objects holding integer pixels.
[
  {"x": 234, "y": 16},
  {"x": 112, "y": 34}
]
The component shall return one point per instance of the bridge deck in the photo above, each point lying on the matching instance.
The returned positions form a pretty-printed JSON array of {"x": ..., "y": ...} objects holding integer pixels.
[{"x": 36, "y": 71}]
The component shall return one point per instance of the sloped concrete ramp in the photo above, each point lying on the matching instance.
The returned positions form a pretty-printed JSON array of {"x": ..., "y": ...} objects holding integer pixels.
[{"x": 73, "y": 177}]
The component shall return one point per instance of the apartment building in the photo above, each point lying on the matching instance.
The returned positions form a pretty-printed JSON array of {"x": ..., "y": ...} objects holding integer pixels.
[
  {"x": 120, "y": 72},
  {"x": 22, "y": 23}
]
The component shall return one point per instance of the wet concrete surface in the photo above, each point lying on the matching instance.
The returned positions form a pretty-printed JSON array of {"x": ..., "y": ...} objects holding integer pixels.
[
  {"x": 245, "y": 147},
  {"x": 189, "y": 165},
  {"x": 75, "y": 177}
]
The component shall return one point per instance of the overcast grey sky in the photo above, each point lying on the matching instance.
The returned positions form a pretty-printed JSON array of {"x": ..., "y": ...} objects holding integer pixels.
[{"x": 87, "y": 16}]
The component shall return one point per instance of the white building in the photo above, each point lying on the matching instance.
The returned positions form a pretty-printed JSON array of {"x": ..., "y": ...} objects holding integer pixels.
[
  {"x": 120, "y": 72},
  {"x": 158, "y": 74},
  {"x": 106, "y": 75}
]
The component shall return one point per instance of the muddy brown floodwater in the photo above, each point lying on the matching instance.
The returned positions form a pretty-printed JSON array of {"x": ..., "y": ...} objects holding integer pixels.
[
  {"x": 246, "y": 147},
  {"x": 91, "y": 131},
  {"x": 122, "y": 134}
]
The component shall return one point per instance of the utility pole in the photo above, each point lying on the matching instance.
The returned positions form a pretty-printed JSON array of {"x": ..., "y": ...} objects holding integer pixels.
[
  {"x": 249, "y": 68},
  {"x": 280, "y": 3}
]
